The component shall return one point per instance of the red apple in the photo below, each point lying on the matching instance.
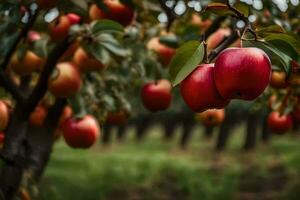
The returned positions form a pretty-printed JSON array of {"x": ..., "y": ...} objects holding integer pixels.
[
  {"x": 278, "y": 80},
  {"x": 213, "y": 117},
  {"x": 157, "y": 95},
  {"x": 115, "y": 11},
  {"x": 116, "y": 118},
  {"x": 279, "y": 124},
  {"x": 242, "y": 73},
  {"x": 2, "y": 137},
  {"x": 217, "y": 37},
  {"x": 4, "y": 115},
  {"x": 38, "y": 116},
  {"x": 164, "y": 52},
  {"x": 29, "y": 63},
  {"x": 33, "y": 36},
  {"x": 65, "y": 81},
  {"x": 199, "y": 91},
  {"x": 81, "y": 133},
  {"x": 59, "y": 29},
  {"x": 74, "y": 18},
  {"x": 86, "y": 62}
]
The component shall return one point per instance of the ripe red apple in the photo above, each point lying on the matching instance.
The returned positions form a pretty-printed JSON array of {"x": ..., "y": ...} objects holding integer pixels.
[
  {"x": 46, "y": 4},
  {"x": 66, "y": 114},
  {"x": 279, "y": 124},
  {"x": 278, "y": 80},
  {"x": 65, "y": 81},
  {"x": 33, "y": 36},
  {"x": 242, "y": 73},
  {"x": 116, "y": 118},
  {"x": 81, "y": 133},
  {"x": 157, "y": 95},
  {"x": 212, "y": 117},
  {"x": 74, "y": 18},
  {"x": 115, "y": 11},
  {"x": 199, "y": 91},
  {"x": 86, "y": 62},
  {"x": 217, "y": 37},
  {"x": 59, "y": 29},
  {"x": 38, "y": 116},
  {"x": 4, "y": 115},
  {"x": 164, "y": 52},
  {"x": 29, "y": 63}
]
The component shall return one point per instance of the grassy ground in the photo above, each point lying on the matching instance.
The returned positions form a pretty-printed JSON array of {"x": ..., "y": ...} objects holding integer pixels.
[{"x": 156, "y": 170}]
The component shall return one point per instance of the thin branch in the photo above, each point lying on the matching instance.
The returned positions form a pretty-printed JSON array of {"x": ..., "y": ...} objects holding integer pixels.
[
  {"x": 169, "y": 12},
  {"x": 42, "y": 85},
  {"x": 212, "y": 28},
  {"x": 7, "y": 83},
  {"x": 226, "y": 43}
]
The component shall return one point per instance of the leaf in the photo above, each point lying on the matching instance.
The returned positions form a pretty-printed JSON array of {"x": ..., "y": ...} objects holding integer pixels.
[
  {"x": 291, "y": 39},
  {"x": 40, "y": 48},
  {"x": 263, "y": 32},
  {"x": 187, "y": 57},
  {"x": 284, "y": 59},
  {"x": 170, "y": 41},
  {"x": 98, "y": 52},
  {"x": 218, "y": 8},
  {"x": 243, "y": 8},
  {"x": 107, "y": 26}
]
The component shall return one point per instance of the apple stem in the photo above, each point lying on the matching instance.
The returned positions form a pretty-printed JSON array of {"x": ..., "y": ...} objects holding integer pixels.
[{"x": 206, "y": 60}]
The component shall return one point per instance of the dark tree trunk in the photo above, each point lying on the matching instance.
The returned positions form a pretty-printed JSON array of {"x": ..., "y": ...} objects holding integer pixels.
[
  {"x": 208, "y": 132},
  {"x": 106, "y": 139},
  {"x": 266, "y": 133},
  {"x": 224, "y": 131},
  {"x": 188, "y": 126},
  {"x": 169, "y": 129},
  {"x": 251, "y": 131},
  {"x": 142, "y": 126},
  {"x": 121, "y": 131}
]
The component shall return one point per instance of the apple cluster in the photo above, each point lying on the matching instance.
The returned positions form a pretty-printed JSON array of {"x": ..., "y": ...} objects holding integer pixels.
[{"x": 238, "y": 73}]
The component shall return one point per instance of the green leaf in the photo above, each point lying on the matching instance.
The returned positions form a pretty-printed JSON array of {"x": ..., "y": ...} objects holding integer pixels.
[
  {"x": 187, "y": 57},
  {"x": 170, "y": 41},
  {"x": 263, "y": 32},
  {"x": 243, "y": 8},
  {"x": 107, "y": 26},
  {"x": 271, "y": 50},
  {"x": 291, "y": 39},
  {"x": 40, "y": 48}
]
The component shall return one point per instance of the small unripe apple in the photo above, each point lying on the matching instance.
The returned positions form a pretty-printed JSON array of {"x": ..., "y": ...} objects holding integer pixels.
[
  {"x": 86, "y": 62},
  {"x": 199, "y": 90},
  {"x": 212, "y": 117},
  {"x": 65, "y": 81},
  {"x": 81, "y": 133},
  {"x": 74, "y": 18},
  {"x": 46, "y": 4},
  {"x": 4, "y": 115},
  {"x": 38, "y": 116},
  {"x": 242, "y": 73},
  {"x": 115, "y": 11},
  {"x": 203, "y": 24},
  {"x": 29, "y": 63},
  {"x": 116, "y": 118},
  {"x": 279, "y": 124},
  {"x": 164, "y": 52},
  {"x": 217, "y": 37},
  {"x": 157, "y": 95},
  {"x": 59, "y": 29},
  {"x": 278, "y": 80}
]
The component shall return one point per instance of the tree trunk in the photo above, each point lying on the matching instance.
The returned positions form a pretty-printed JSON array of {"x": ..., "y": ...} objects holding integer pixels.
[
  {"x": 121, "y": 131},
  {"x": 224, "y": 132},
  {"x": 188, "y": 126},
  {"x": 208, "y": 132},
  {"x": 266, "y": 133},
  {"x": 106, "y": 139},
  {"x": 251, "y": 131}
]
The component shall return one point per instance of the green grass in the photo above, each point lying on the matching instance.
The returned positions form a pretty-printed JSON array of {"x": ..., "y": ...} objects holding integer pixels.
[{"x": 156, "y": 170}]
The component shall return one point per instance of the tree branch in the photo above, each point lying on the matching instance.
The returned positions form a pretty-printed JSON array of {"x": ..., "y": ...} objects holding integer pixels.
[
  {"x": 212, "y": 28},
  {"x": 169, "y": 12}
]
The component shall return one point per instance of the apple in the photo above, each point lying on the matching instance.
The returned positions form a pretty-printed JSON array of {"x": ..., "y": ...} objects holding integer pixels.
[
  {"x": 29, "y": 63},
  {"x": 69, "y": 53},
  {"x": 217, "y": 37},
  {"x": 66, "y": 114},
  {"x": 278, "y": 80},
  {"x": 74, "y": 18},
  {"x": 81, "y": 133},
  {"x": 65, "y": 81},
  {"x": 86, "y": 62},
  {"x": 2, "y": 136},
  {"x": 46, "y": 4},
  {"x": 199, "y": 90},
  {"x": 38, "y": 116},
  {"x": 212, "y": 117},
  {"x": 203, "y": 24},
  {"x": 164, "y": 52},
  {"x": 279, "y": 124},
  {"x": 115, "y": 10},
  {"x": 242, "y": 73},
  {"x": 59, "y": 28},
  {"x": 116, "y": 118},
  {"x": 157, "y": 95},
  {"x": 33, "y": 36},
  {"x": 4, "y": 115}
]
